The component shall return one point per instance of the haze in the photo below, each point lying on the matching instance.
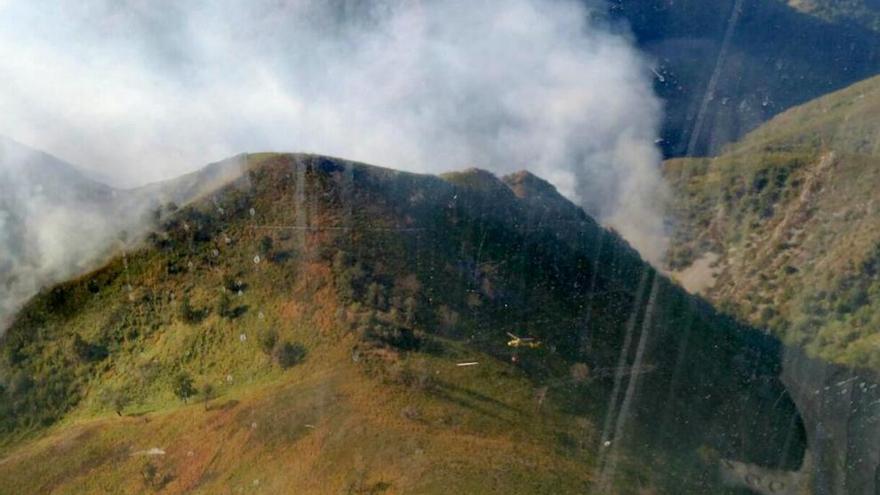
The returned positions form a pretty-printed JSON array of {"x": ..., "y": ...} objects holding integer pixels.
[{"x": 138, "y": 91}]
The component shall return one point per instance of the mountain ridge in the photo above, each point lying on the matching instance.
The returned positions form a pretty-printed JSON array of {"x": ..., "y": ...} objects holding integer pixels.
[
  {"x": 59, "y": 223},
  {"x": 386, "y": 281}
]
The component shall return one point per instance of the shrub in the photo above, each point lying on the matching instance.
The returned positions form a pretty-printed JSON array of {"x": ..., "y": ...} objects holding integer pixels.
[
  {"x": 268, "y": 339},
  {"x": 580, "y": 372},
  {"x": 208, "y": 392},
  {"x": 116, "y": 399},
  {"x": 190, "y": 314},
  {"x": 349, "y": 277},
  {"x": 410, "y": 307},
  {"x": 266, "y": 244},
  {"x": 289, "y": 354},
  {"x": 226, "y": 310},
  {"x": 401, "y": 338},
  {"x": 224, "y": 306},
  {"x": 182, "y": 386},
  {"x": 153, "y": 478},
  {"x": 233, "y": 284},
  {"x": 414, "y": 375},
  {"x": 88, "y": 352},
  {"x": 375, "y": 296}
]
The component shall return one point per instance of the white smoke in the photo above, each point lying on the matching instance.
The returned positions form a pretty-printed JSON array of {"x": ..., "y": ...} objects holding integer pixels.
[
  {"x": 51, "y": 223},
  {"x": 138, "y": 91}
]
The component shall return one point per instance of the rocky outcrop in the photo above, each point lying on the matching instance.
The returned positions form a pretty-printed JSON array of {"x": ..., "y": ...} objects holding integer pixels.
[{"x": 840, "y": 407}]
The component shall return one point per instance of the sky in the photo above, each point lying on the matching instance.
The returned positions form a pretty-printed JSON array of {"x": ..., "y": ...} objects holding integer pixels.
[{"x": 136, "y": 91}]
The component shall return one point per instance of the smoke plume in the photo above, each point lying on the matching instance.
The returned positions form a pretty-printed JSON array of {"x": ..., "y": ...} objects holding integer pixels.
[{"x": 138, "y": 91}]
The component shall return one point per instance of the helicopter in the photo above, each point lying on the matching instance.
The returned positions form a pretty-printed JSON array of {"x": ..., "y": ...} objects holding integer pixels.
[{"x": 522, "y": 342}]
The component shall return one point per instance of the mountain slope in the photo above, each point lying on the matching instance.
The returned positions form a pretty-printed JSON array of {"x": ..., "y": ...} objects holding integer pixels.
[
  {"x": 789, "y": 216},
  {"x": 726, "y": 66},
  {"x": 329, "y": 304},
  {"x": 56, "y": 223},
  {"x": 864, "y": 13},
  {"x": 42, "y": 202},
  {"x": 783, "y": 230}
]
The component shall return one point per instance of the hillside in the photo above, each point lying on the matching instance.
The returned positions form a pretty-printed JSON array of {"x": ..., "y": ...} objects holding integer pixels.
[
  {"x": 789, "y": 219},
  {"x": 726, "y": 66},
  {"x": 36, "y": 187},
  {"x": 864, "y": 13},
  {"x": 781, "y": 230},
  {"x": 328, "y": 305},
  {"x": 57, "y": 223}
]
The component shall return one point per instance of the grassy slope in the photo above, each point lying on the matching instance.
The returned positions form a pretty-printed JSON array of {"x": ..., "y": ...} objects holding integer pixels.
[
  {"x": 317, "y": 431},
  {"x": 360, "y": 440},
  {"x": 792, "y": 212},
  {"x": 859, "y": 12},
  {"x": 387, "y": 280}
]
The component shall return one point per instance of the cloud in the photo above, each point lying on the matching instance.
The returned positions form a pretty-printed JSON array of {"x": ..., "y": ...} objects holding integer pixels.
[{"x": 137, "y": 91}]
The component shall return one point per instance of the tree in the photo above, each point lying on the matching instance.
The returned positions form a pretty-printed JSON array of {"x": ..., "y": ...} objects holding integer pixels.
[
  {"x": 189, "y": 313},
  {"x": 375, "y": 297},
  {"x": 224, "y": 307},
  {"x": 88, "y": 352},
  {"x": 208, "y": 392},
  {"x": 226, "y": 310},
  {"x": 116, "y": 399},
  {"x": 289, "y": 354},
  {"x": 266, "y": 244},
  {"x": 268, "y": 339},
  {"x": 153, "y": 478},
  {"x": 409, "y": 310},
  {"x": 349, "y": 276},
  {"x": 182, "y": 385},
  {"x": 580, "y": 372}
]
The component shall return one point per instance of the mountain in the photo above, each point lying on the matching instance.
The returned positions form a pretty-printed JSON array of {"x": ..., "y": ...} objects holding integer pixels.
[
  {"x": 865, "y": 13},
  {"x": 789, "y": 220},
  {"x": 782, "y": 230},
  {"x": 43, "y": 200},
  {"x": 341, "y": 327},
  {"x": 726, "y": 66},
  {"x": 56, "y": 223}
]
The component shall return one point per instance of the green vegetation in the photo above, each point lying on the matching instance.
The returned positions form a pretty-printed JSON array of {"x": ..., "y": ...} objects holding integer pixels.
[
  {"x": 791, "y": 213},
  {"x": 208, "y": 393},
  {"x": 182, "y": 386},
  {"x": 287, "y": 354},
  {"x": 334, "y": 369},
  {"x": 115, "y": 399},
  {"x": 864, "y": 13},
  {"x": 191, "y": 315}
]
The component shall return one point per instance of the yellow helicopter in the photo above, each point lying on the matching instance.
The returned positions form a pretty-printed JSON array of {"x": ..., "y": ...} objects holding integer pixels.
[{"x": 518, "y": 342}]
